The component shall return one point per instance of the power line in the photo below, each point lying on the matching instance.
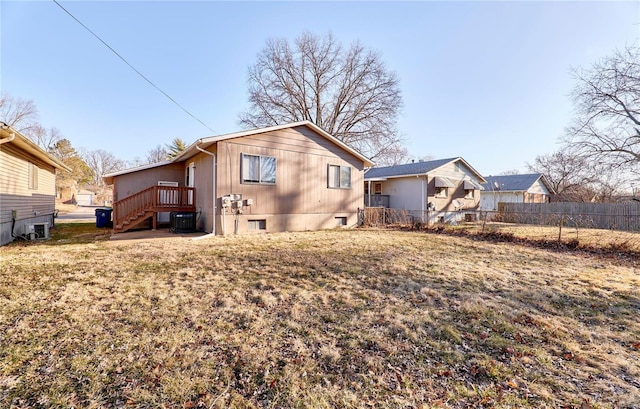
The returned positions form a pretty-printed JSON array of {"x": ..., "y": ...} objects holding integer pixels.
[{"x": 132, "y": 67}]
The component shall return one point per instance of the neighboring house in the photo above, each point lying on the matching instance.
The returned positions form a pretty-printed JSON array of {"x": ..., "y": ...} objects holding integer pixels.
[
  {"x": 27, "y": 187},
  {"x": 85, "y": 198},
  {"x": 529, "y": 188},
  {"x": 282, "y": 178},
  {"x": 440, "y": 190}
]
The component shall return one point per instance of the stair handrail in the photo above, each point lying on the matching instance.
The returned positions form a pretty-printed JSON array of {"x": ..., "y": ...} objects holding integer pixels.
[{"x": 152, "y": 198}]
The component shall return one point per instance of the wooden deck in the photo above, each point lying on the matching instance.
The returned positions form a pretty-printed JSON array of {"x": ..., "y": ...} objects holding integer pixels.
[{"x": 146, "y": 204}]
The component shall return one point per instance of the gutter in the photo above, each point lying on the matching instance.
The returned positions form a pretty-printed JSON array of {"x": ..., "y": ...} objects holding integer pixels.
[
  {"x": 11, "y": 137},
  {"x": 213, "y": 188}
]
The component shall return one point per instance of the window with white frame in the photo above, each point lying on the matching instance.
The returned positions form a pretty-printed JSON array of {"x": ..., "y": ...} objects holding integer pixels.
[
  {"x": 33, "y": 176},
  {"x": 258, "y": 169},
  {"x": 339, "y": 177}
]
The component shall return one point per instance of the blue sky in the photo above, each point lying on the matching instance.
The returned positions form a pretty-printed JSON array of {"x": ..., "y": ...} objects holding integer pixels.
[{"x": 488, "y": 81}]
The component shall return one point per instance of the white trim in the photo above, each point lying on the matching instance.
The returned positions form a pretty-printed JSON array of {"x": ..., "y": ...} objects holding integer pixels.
[
  {"x": 137, "y": 169},
  {"x": 190, "y": 151}
]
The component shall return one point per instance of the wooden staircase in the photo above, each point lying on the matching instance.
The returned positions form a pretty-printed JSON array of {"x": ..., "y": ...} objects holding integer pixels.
[{"x": 132, "y": 211}]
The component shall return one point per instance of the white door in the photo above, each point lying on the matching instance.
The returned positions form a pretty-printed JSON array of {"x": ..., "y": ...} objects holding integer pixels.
[
  {"x": 190, "y": 179},
  {"x": 166, "y": 197}
]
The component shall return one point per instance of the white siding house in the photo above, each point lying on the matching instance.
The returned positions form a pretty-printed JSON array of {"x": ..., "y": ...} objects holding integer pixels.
[
  {"x": 27, "y": 185},
  {"x": 526, "y": 188},
  {"x": 437, "y": 190}
]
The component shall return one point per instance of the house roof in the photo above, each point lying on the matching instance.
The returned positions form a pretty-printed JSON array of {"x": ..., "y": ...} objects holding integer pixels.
[
  {"x": 12, "y": 136},
  {"x": 414, "y": 169},
  {"x": 108, "y": 178},
  {"x": 204, "y": 143},
  {"x": 515, "y": 183}
]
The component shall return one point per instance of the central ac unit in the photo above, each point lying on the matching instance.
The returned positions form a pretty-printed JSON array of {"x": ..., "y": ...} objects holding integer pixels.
[{"x": 36, "y": 231}]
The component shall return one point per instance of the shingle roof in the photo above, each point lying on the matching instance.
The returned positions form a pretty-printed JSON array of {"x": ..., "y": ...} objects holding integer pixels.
[
  {"x": 415, "y": 168},
  {"x": 512, "y": 183}
]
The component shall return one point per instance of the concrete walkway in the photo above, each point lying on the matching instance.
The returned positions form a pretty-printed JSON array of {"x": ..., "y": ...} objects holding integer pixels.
[
  {"x": 87, "y": 214},
  {"x": 82, "y": 214}
]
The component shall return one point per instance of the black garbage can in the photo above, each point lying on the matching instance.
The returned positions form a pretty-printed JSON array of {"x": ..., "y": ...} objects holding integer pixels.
[{"x": 103, "y": 217}]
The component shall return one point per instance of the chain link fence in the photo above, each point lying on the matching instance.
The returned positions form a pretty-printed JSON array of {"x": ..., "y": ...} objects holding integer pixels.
[{"x": 586, "y": 231}]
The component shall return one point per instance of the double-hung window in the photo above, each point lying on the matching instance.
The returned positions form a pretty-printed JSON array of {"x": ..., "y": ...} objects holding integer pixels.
[
  {"x": 33, "y": 176},
  {"x": 258, "y": 169},
  {"x": 339, "y": 177}
]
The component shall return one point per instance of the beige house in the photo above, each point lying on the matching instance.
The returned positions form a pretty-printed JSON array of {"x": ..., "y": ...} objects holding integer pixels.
[
  {"x": 288, "y": 177},
  {"x": 526, "y": 188},
  {"x": 444, "y": 190},
  {"x": 27, "y": 187}
]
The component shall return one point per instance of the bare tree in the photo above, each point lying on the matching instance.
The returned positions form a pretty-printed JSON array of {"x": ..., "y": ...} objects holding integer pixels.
[
  {"x": 607, "y": 103},
  {"x": 576, "y": 178},
  {"x": 46, "y": 139},
  {"x": 18, "y": 113},
  {"x": 101, "y": 163},
  {"x": 346, "y": 91},
  {"x": 509, "y": 172},
  {"x": 22, "y": 115},
  {"x": 157, "y": 154}
]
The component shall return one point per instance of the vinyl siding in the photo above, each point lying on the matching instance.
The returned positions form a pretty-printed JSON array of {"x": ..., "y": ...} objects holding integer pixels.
[
  {"x": 299, "y": 200},
  {"x": 134, "y": 182},
  {"x": 31, "y": 204},
  {"x": 410, "y": 193},
  {"x": 538, "y": 188},
  {"x": 302, "y": 160}
]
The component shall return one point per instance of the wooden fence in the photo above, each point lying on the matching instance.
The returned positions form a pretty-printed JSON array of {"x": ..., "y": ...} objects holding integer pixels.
[{"x": 612, "y": 216}]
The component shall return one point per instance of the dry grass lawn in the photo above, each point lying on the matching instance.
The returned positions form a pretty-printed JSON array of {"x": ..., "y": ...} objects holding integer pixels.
[
  {"x": 579, "y": 237},
  {"x": 331, "y": 319}
]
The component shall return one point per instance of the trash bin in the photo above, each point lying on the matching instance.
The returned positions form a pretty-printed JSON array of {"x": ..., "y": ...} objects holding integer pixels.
[{"x": 103, "y": 217}]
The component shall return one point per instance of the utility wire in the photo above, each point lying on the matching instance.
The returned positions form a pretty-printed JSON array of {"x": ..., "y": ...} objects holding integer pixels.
[{"x": 132, "y": 67}]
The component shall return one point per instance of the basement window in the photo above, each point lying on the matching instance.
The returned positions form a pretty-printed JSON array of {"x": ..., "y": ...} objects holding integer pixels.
[
  {"x": 341, "y": 221},
  {"x": 257, "y": 225}
]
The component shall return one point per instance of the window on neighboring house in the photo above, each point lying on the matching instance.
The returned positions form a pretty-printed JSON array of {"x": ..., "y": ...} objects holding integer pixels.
[
  {"x": 441, "y": 192},
  {"x": 339, "y": 177},
  {"x": 33, "y": 176},
  {"x": 377, "y": 188},
  {"x": 260, "y": 224},
  {"x": 469, "y": 193},
  {"x": 258, "y": 169}
]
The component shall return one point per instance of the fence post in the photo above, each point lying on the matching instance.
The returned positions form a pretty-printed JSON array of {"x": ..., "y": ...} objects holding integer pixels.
[
  {"x": 484, "y": 221},
  {"x": 560, "y": 229}
]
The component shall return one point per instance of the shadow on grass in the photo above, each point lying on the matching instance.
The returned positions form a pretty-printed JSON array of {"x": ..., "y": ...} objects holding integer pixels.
[
  {"x": 619, "y": 251},
  {"x": 69, "y": 233}
]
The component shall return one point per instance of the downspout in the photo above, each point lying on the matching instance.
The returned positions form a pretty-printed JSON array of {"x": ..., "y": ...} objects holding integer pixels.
[
  {"x": 213, "y": 187},
  {"x": 369, "y": 190},
  {"x": 426, "y": 193},
  {"x": 422, "y": 200},
  {"x": 11, "y": 137}
]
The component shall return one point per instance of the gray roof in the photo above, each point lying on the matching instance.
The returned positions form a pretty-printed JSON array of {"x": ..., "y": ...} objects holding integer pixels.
[
  {"x": 415, "y": 168},
  {"x": 514, "y": 183}
]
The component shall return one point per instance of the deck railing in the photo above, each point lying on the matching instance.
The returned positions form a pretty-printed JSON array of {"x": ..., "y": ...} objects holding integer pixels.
[
  {"x": 154, "y": 198},
  {"x": 376, "y": 200}
]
